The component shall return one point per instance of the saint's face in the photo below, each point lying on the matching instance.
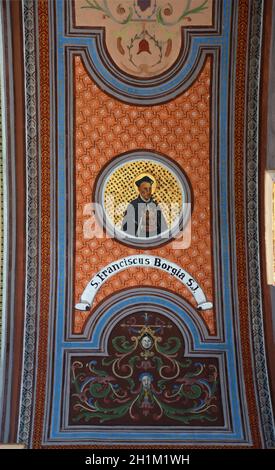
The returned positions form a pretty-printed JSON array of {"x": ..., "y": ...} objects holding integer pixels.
[{"x": 145, "y": 190}]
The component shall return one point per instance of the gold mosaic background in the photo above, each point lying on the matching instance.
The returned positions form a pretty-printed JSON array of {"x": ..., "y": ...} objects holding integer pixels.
[{"x": 121, "y": 189}]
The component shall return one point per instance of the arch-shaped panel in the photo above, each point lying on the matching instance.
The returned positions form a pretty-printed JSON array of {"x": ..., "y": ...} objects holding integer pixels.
[
  {"x": 157, "y": 300},
  {"x": 112, "y": 196},
  {"x": 143, "y": 367}
]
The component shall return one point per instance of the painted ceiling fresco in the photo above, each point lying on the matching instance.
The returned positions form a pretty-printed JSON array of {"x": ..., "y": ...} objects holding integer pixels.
[
  {"x": 142, "y": 300},
  {"x": 144, "y": 38}
]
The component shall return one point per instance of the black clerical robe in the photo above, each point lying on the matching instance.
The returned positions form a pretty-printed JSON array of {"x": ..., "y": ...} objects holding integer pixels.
[{"x": 143, "y": 218}]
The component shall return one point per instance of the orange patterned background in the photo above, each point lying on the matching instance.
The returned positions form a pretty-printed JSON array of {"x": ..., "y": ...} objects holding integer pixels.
[{"x": 105, "y": 128}]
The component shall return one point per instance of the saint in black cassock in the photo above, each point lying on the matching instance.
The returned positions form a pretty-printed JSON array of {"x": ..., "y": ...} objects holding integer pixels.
[{"x": 143, "y": 217}]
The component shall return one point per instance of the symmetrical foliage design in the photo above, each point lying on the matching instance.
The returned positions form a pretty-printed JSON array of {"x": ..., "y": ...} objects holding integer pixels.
[{"x": 145, "y": 379}]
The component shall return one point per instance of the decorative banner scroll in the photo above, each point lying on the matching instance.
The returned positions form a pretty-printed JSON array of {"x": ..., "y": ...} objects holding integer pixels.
[{"x": 144, "y": 261}]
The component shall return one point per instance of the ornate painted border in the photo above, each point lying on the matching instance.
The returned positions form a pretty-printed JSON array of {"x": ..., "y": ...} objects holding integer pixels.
[
  {"x": 252, "y": 227},
  {"x": 68, "y": 147}
]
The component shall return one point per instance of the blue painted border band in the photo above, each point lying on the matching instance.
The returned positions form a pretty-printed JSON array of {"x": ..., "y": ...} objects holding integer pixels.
[{"x": 228, "y": 346}]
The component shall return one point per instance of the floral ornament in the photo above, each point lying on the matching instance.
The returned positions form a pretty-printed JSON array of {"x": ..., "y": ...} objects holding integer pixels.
[
  {"x": 107, "y": 12},
  {"x": 141, "y": 8},
  {"x": 187, "y": 12},
  {"x": 149, "y": 31},
  {"x": 144, "y": 4},
  {"x": 145, "y": 379}
]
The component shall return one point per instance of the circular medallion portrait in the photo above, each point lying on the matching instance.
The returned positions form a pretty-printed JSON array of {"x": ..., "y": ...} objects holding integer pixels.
[{"x": 143, "y": 199}]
